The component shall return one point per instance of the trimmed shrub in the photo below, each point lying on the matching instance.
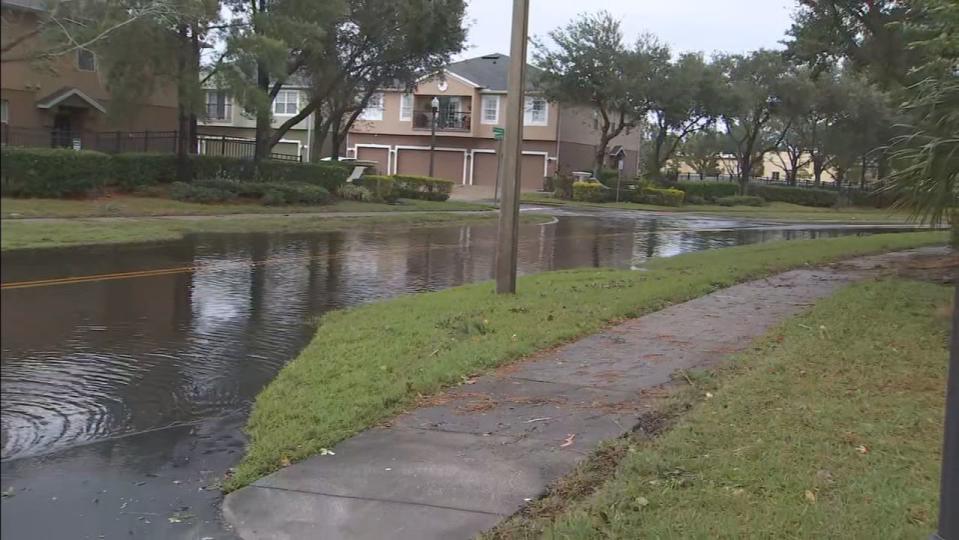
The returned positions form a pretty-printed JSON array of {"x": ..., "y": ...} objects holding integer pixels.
[
  {"x": 822, "y": 198},
  {"x": 588, "y": 191},
  {"x": 562, "y": 186},
  {"x": 352, "y": 192},
  {"x": 709, "y": 191},
  {"x": 53, "y": 172},
  {"x": 383, "y": 188},
  {"x": 740, "y": 200},
  {"x": 660, "y": 196},
  {"x": 695, "y": 199},
  {"x": 875, "y": 199},
  {"x": 293, "y": 193},
  {"x": 182, "y": 191},
  {"x": 329, "y": 176},
  {"x": 135, "y": 171},
  {"x": 422, "y": 187}
]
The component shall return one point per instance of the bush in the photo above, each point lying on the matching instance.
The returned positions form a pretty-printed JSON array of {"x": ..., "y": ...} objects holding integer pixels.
[
  {"x": 823, "y": 198},
  {"x": 351, "y": 192},
  {"x": 53, "y": 172},
  {"x": 422, "y": 187},
  {"x": 709, "y": 191},
  {"x": 588, "y": 191},
  {"x": 660, "y": 196},
  {"x": 608, "y": 177},
  {"x": 695, "y": 199},
  {"x": 329, "y": 176},
  {"x": 874, "y": 199},
  {"x": 383, "y": 188},
  {"x": 182, "y": 191},
  {"x": 293, "y": 193},
  {"x": 135, "y": 171},
  {"x": 562, "y": 186},
  {"x": 740, "y": 200}
]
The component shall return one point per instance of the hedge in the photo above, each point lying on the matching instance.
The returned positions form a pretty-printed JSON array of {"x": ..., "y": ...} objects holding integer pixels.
[
  {"x": 53, "y": 172},
  {"x": 589, "y": 191},
  {"x": 823, "y": 198},
  {"x": 383, "y": 188},
  {"x": 422, "y": 187},
  {"x": 740, "y": 200},
  {"x": 660, "y": 196},
  {"x": 709, "y": 191},
  {"x": 58, "y": 172},
  {"x": 214, "y": 190}
]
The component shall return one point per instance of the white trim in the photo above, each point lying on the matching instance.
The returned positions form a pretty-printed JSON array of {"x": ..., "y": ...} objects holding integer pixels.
[
  {"x": 482, "y": 107},
  {"x": 412, "y": 101},
  {"x": 388, "y": 148},
  {"x": 447, "y": 72},
  {"x": 285, "y": 114},
  {"x": 545, "y": 112},
  {"x": 438, "y": 148},
  {"x": 299, "y": 146},
  {"x": 73, "y": 92}
]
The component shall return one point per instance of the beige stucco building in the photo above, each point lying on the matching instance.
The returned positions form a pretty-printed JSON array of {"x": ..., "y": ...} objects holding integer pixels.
[{"x": 394, "y": 130}]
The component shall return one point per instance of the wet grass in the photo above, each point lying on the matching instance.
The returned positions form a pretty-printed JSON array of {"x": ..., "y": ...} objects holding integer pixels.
[
  {"x": 368, "y": 363},
  {"x": 133, "y": 206},
  {"x": 20, "y": 234},
  {"x": 776, "y": 211},
  {"x": 830, "y": 428}
]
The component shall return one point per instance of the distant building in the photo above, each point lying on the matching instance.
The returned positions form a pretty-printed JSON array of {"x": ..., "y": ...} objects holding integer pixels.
[
  {"x": 394, "y": 129},
  {"x": 771, "y": 168}
]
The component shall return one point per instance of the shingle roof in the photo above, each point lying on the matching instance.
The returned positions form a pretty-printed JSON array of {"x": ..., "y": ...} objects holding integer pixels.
[{"x": 490, "y": 71}]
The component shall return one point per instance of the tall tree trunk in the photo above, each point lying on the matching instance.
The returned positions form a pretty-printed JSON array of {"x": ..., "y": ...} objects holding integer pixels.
[
  {"x": 184, "y": 99},
  {"x": 264, "y": 116},
  {"x": 338, "y": 135},
  {"x": 862, "y": 174},
  {"x": 817, "y": 169}
]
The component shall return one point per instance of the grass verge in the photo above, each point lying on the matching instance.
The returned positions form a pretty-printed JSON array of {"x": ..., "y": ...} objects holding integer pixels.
[
  {"x": 775, "y": 211},
  {"x": 847, "y": 443},
  {"x": 18, "y": 234},
  {"x": 133, "y": 206},
  {"x": 368, "y": 363}
]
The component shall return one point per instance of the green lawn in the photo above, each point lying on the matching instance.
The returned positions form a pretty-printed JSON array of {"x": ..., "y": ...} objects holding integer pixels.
[
  {"x": 21, "y": 234},
  {"x": 830, "y": 428},
  {"x": 776, "y": 211},
  {"x": 133, "y": 206},
  {"x": 368, "y": 363}
]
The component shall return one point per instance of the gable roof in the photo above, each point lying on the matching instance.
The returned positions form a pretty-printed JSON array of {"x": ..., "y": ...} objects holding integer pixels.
[
  {"x": 490, "y": 71},
  {"x": 72, "y": 95}
]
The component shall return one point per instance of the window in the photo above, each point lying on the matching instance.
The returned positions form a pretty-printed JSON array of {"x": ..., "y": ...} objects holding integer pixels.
[
  {"x": 775, "y": 175},
  {"x": 86, "y": 60},
  {"x": 406, "y": 107},
  {"x": 4, "y": 119},
  {"x": 219, "y": 105},
  {"x": 536, "y": 112},
  {"x": 374, "y": 108},
  {"x": 490, "y": 109},
  {"x": 287, "y": 103}
]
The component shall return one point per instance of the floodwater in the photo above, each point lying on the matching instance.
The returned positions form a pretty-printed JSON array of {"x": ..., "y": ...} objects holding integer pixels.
[{"x": 127, "y": 371}]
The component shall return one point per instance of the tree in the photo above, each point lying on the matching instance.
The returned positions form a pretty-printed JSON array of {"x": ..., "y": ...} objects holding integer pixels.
[
  {"x": 701, "y": 152},
  {"x": 591, "y": 65},
  {"x": 684, "y": 98},
  {"x": 752, "y": 93}
]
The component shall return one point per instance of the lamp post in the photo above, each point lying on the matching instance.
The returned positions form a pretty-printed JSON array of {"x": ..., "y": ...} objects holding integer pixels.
[{"x": 436, "y": 107}]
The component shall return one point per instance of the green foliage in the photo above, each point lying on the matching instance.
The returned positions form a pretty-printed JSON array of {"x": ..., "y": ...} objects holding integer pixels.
[
  {"x": 422, "y": 187},
  {"x": 740, "y": 200},
  {"x": 351, "y": 192},
  {"x": 562, "y": 186},
  {"x": 589, "y": 191},
  {"x": 701, "y": 152},
  {"x": 709, "y": 191},
  {"x": 660, "y": 196},
  {"x": 135, "y": 171},
  {"x": 53, "y": 172},
  {"x": 822, "y": 198},
  {"x": 182, "y": 191},
  {"x": 368, "y": 363},
  {"x": 383, "y": 188}
]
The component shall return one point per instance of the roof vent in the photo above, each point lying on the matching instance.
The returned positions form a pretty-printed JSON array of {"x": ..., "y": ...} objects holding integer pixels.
[{"x": 491, "y": 57}]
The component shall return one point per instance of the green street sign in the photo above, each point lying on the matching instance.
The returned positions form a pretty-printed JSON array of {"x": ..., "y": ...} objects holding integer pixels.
[{"x": 498, "y": 133}]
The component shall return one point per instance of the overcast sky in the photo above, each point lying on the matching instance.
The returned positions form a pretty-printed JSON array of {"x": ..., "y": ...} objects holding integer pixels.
[{"x": 686, "y": 25}]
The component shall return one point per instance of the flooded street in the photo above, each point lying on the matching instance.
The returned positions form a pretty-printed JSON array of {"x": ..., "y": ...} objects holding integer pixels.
[{"x": 127, "y": 371}]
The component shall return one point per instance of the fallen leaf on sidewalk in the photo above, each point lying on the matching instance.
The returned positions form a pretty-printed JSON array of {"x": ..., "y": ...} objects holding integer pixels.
[
  {"x": 325, "y": 452},
  {"x": 568, "y": 441},
  {"x": 862, "y": 449}
]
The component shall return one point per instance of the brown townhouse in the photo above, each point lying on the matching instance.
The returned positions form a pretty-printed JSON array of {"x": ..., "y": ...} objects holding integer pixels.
[
  {"x": 394, "y": 130},
  {"x": 66, "y": 96}
]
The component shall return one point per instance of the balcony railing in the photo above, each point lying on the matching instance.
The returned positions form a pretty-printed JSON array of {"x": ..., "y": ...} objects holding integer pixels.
[{"x": 445, "y": 120}]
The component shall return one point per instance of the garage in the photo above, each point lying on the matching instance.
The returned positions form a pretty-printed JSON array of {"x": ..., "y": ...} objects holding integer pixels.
[
  {"x": 448, "y": 164},
  {"x": 484, "y": 170},
  {"x": 380, "y": 155}
]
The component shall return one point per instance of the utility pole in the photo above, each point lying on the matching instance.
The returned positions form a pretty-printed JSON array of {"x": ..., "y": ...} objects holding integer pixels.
[
  {"x": 949, "y": 480},
  {"x": 511, "y": 169}
]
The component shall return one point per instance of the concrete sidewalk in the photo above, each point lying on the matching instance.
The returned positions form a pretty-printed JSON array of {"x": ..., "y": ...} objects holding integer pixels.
[{"x": 477, "y": 453}]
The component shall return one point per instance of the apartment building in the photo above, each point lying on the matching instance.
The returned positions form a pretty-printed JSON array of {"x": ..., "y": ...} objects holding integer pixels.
[{"x": 395, "y": 128}]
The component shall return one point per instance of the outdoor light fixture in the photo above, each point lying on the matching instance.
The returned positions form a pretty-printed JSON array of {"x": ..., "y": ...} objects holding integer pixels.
[{"x": 436, "y": 107}]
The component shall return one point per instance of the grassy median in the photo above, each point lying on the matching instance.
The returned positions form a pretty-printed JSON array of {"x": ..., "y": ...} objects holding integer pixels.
[
  {"x": 368, "y": 363},
  {"x": 774, "y": 211},
  {"x": 830, "y": 428},
  {"x": 134, "y": 206}
]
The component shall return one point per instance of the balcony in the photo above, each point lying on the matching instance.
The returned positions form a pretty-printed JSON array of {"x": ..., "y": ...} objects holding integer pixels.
[{"x": 446, "y": 120}]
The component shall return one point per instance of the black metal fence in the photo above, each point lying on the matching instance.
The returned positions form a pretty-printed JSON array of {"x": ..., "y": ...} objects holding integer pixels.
[
  {"x": 775, "y": 181},
  {"x": 116, "y": 142}
]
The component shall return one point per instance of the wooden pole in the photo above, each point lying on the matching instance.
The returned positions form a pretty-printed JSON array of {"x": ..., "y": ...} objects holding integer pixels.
[{"x": 511, "y": 170}]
